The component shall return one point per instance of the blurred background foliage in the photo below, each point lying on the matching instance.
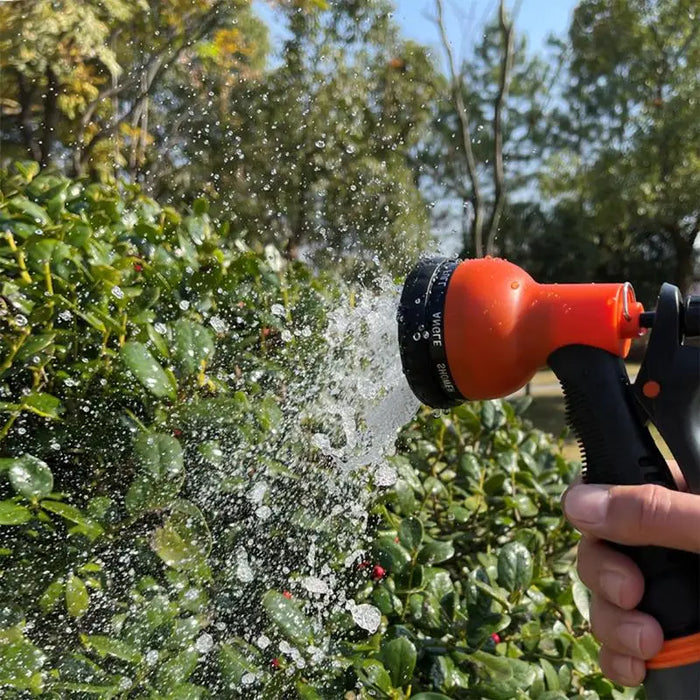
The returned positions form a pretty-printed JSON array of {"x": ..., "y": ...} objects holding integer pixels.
[{"x": 346, "y": 144}]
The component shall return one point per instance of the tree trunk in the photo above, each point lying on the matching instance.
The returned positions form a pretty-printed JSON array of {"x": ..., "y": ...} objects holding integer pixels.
[
  {"x": 25, "y": 119},
  {"x": 50, "y": 117}
]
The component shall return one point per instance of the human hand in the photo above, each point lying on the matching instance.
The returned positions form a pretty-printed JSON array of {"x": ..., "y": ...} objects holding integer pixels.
[{"x": 633, "y": 515}]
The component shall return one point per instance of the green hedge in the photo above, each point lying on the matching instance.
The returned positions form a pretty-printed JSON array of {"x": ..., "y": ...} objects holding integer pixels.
[{"x": 169, "y": 480}]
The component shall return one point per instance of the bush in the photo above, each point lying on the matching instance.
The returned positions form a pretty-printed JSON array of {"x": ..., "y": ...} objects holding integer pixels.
[{"x": 187, "y": 470}]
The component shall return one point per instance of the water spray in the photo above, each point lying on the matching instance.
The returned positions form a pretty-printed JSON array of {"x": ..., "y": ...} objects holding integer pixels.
[{"x": 480, "y": 329}]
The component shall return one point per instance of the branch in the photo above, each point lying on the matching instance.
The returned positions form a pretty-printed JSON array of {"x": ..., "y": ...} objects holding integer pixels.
[
  {"x": 156, "y": 68},
  {"x": 25, "y": 101},
  {"x": 463, "y": 115},
  {"x": 498, "y": 173}
]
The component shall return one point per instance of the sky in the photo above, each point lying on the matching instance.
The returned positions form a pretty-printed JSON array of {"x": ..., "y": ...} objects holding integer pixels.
[{"x": 466, "y": 19}]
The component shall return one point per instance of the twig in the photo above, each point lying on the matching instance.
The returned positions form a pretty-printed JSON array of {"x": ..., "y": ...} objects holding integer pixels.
[{"x": 477, "y": 200}]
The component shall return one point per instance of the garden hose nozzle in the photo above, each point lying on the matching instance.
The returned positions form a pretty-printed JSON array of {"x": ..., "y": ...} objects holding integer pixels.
[{"x": 480, "y": 329}]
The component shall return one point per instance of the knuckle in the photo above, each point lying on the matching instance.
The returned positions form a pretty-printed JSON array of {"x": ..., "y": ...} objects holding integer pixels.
[
  {"x": 654, "y": 509},
  {"x": 643, "y": 510}
]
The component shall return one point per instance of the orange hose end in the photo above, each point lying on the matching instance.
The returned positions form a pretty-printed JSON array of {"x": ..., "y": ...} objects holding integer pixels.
[
  {"x": 677, "y": 652},
  {"x": 501, "y": 325}
]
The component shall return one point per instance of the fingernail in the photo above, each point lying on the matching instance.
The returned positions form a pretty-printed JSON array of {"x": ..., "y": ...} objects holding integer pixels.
[
  {"x": 630, "y": 634},
  {"x": 587, "y": 504},
  {"x": 613, "y": 585},
  {"x": 628, "y": 669}
]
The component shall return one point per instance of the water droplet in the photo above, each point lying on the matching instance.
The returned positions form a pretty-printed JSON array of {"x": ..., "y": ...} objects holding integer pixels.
[
  {"x": 367, "y": 617},
  {"x": 204, "y": 643}
]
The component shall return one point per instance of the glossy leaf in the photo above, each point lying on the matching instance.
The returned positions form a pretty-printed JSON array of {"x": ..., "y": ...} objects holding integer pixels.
[
  {"x": 287, "y": 617},
  {"x": 30, "y": 477},
  {"x": 399, "y": 658},
  {"x": 77, "y": 596},
  {"x": 13, "y": 513},
  {"x": 515, "y": 567},
  {"x": 146, "y": 369}
]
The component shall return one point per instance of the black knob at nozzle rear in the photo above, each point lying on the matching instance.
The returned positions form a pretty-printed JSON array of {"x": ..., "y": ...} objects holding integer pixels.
[{"x": 420, "y": 318}]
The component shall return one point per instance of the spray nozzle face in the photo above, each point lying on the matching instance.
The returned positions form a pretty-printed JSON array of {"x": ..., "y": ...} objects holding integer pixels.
[
  {"x": 481, "y": 328},
  {"x": 421, "y": 318}
]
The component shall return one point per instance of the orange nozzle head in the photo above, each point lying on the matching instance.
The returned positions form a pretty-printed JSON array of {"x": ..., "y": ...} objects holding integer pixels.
[{"x": 480, "y": 329}]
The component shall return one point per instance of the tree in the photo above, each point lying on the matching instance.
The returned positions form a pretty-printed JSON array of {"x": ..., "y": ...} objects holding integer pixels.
[
  {"x": 80, "y": 81},
  {"x": 629, "y": 162},
  {"x": 488, "y": 123},
  {"x": 316, "y": 154}
]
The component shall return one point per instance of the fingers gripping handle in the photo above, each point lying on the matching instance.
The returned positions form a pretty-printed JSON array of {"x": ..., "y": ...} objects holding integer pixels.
[{"x": 618, "y": 449}]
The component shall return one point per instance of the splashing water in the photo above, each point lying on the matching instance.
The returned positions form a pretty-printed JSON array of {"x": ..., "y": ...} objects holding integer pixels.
[{"x": 300, "y": 524}]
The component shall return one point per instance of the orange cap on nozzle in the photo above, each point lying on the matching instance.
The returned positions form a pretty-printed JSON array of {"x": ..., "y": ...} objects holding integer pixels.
[{"x": 480, "y": 329}]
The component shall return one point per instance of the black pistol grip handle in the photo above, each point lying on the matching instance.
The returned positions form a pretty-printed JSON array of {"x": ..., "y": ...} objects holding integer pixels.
[{"x": 618, "y": 449}]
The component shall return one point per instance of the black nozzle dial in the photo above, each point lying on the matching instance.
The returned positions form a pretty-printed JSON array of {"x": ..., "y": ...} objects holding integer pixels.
[{"x": 421, "y": 317}]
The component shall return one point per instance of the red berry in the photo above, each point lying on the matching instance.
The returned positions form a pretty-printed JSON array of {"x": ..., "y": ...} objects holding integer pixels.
[
  {"x": 496, "y": 638},
  {"x": 287, "y": 595},
  {"x": 138, "y": 267},
  {"x": 378, "y": 572},
  {"x": 363, "y": 565},
  {"x": 177, "y": 432},
  {"x": 275, "y": 663}
]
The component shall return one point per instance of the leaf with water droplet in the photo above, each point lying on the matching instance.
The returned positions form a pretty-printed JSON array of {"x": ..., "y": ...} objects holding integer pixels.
[
  {"x": 13, "y": 514},
  {"x": 435, "y": 552},
  {"x": 234, "y": 663},
  {"x": 146, "y": 369},
  {"x": 77, "y": 597},
  {"x": 515, "y": 567},
  {"x": 84, "y": 523},
  {"x": 184, "y": 541},
  {"x": 30, "y": 477},
  {"x": 399, "y": 658},
  {"x": 411, "y": 533},
  {"x": 287, "y": 617},
  {"x": 161, "y": 472},
  {"x": 193, "y": 345},
  {"x": 42, "y": 404},
  {"x": 110, "y": 646}
]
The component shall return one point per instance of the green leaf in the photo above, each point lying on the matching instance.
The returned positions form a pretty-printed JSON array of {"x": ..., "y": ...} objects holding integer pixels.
[
  {"x": 184, "y": 540},
  {"x": 515, "y": 567},
  {"x": 399, "y": 658},
  {"x": 177, "y": 669},
  {"x": 193, "y": 346},
  {"x": 77, "y": 597},
  {"x": 42, "y": 404},
  {"x": 20, "y": 665},
  {"x": 161, "y": 473},
  {"x": 435, "y": 552},
  {"x": 234, "y": 663},
  {"x": 30, "y": 477},
  {"x": 22, "y": 206},
  {"x": 306, "y": 692},
  {"x": 51, "y": 595},
  {"x": 411, "y": 533},
  {"x": 28, "y": 169},
  {"x": 13, "y": 514},
  {"x": 582, "y": 599},
  {"x": 146, "y": 369},
  {"x": 74, "y": 515},
  {"x": 391, "y": 555},
  {"x": 109, "y": 646},
  {"x": 287, "y": 617},
  {"x": 429, "y": 696},
  {"x": 550, "y": 675},
  {"x": 372, "y": 672}
]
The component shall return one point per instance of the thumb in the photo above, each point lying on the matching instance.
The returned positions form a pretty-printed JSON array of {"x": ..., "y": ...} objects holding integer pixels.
[{"x": 636, "y": 515}]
